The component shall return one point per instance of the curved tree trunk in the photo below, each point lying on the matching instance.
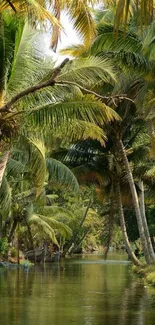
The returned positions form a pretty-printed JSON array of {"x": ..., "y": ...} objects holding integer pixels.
[
  {"x": 110, "y": 226},
  {"x": 144, "y": 220},
  {"x": 135, "y": 202},
  {"x": 130, "y": 252},
  {"x": 3, "y": 162}
]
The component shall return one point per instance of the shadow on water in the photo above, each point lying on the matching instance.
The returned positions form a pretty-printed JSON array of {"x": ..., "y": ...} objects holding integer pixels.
[{"x": 84, "y": 290}]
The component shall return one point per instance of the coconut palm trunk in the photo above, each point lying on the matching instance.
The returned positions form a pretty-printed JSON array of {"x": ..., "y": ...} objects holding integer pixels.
[
  {"x": 135, "y": 202},
  {"x": 130, "y": 252},
  {"x": 144, "y": 220},
  {"x": 110, "y": 226},
  {"x": 3, "y": 162}
]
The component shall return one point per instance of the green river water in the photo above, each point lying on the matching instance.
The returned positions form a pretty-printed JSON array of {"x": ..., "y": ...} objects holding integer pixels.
[{"x": 87, "y": 291}]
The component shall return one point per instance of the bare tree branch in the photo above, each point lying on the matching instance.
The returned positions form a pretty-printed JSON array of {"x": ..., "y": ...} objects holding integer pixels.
[{"x": 104, "y": 98}]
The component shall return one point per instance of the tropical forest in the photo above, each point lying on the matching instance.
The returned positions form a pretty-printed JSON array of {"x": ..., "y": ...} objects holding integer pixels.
[{"x": 77, "y": 162}]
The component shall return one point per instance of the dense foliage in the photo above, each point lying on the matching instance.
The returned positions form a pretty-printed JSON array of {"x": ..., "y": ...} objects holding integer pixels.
[{"x": 77, "y": 139}]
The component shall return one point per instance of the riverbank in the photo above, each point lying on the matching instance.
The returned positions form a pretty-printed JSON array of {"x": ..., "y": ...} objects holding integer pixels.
[
  {"x": 146, "y": 272},
  {"x": 24, "y": 264}
]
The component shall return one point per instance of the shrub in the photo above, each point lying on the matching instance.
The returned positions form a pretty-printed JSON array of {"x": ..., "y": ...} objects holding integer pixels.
[
  {"x": 151, "y": 278},
  {"x": 13, "y": 252},
  {"x": 3, "y": 246}
]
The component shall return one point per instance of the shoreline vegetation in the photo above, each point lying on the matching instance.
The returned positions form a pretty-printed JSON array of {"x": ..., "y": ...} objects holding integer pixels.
[
  {"x": 147, "y": 273},
  {"x": 77, "y": 138}
]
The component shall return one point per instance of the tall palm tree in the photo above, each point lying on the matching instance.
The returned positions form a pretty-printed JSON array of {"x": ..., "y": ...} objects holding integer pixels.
[
  {"x": 32, "y": 87},
  {"x": 134, "y": 59},
  {"x": 104, "y": 166},
  {"x": 128, "y": 130}
]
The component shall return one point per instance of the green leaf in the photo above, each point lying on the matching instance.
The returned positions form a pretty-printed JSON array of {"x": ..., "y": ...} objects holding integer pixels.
[{"x": 60, "y": 173}]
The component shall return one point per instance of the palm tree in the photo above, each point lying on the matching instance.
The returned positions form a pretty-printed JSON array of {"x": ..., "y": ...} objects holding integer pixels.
[
  {"x": 23, "y": 191},
  {"x": 134, "y": 55},
  {"x": 41, "y": 92},
  {"x": 93, "y": 163},
  {"x": 117, "y": 131}
]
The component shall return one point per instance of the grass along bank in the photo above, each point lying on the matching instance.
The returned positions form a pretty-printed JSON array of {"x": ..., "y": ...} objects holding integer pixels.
[{"x": 146, "y": 272}]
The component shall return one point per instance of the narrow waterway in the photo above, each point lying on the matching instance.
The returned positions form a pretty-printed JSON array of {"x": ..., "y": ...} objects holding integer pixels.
[{"x": 85, "y": 291}]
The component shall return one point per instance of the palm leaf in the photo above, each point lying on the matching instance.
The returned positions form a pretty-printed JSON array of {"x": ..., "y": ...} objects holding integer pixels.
[
  {"x": 38, "y": 164},
  {"x": 88, "y": 71},
  {"x": 34, "y": 10},
  {"x": 5, "y": 198},
  {"x": 27, "y": 65},
  {"x": 107, "y": 40},
  {"x": 86, "y": 108},
  {"x": 60, "y": 173},
  {"x": 83, "y": 21},
  {"x": 63, "y": 229},
  {"x": 82, "y": 130},
  {"x": 15, "y": 167},
  {"x": 130, "y": 60},
  {"x": 35, "y": 220},
  {"x": 57, "y": 212}
]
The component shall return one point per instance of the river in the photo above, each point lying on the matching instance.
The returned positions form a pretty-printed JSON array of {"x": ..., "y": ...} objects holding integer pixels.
[{"x": 83, "y": 291}]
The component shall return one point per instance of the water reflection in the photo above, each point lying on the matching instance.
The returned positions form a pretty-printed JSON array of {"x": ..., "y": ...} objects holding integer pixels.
[{"x": 86, "y": 291}]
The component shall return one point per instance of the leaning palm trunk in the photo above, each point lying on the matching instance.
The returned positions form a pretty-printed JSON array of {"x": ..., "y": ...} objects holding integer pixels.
[
  {"x": 80, "y": 240},
  {"x": 144, "y": 220},
  {"x": 110, "y": 227},
  {"x": 3, "y": 162},
  {"x": 135, "y": 202},
  {"x": 130, "y": 252}
]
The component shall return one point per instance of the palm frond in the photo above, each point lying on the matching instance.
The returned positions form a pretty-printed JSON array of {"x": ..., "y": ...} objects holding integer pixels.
[
  {"x": 82, "y": 130},
  {"x": 83, "y": 21},
  {"x": 130, "y": 60},
  {"x": 38, "y": 163},
  {"x": 29, "y": 65},
  {"x": 107, "y": 40},
  {"x": 150, "y": 175},
  {"x": 85, "y": 107},
  {"x": 57, "y": 212},
  {"x": 88, "y": 71},
  {"x": 15, "y": 167},
  {"x": 149, "y": 42},
  {"x": 35, "y": 220},
  {"x": 74, "y": 50},
  {"x": 60, "y": 173},
  {"x": 34, "y": 10},
  {"x": 50, "y": 226},
  {"x": 58, "y": 226},
  {"x": 5, "y": 198}
]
